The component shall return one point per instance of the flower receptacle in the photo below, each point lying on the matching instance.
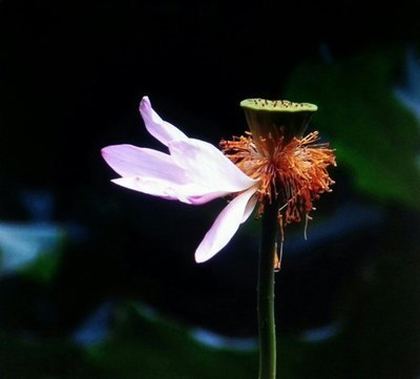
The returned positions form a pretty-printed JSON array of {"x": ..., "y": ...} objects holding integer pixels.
[{"x": 276, "y": 120}]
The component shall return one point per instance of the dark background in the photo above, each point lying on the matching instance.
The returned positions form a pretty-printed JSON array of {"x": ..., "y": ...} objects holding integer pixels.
[{"x": 71, "y": 78}]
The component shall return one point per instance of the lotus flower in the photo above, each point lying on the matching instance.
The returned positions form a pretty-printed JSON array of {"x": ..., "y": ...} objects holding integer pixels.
[
  {"x": 194, "y": 172},
  {"x": 275, "y": 163}
]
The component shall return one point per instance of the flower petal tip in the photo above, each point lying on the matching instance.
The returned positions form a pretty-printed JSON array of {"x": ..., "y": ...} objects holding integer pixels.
[
  {"x": 112, "y": 152},
  {"x": 144, "y": 103},
  {"x": 116, "y": 181},
  {"x": 200, "y": 258},
  {"x": 105, "y": 151}
]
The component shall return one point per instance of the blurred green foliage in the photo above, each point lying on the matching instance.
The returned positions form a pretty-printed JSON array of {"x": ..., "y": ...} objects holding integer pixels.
[
  {"x": 141, "y": 344},
  {"x": 376, "y": 314},
  {"x": 43, "y": 358},
  {"x": 31, "y": 249},
  {"x": 154, "y": 348},
  {"x": 374, "y": 135}
]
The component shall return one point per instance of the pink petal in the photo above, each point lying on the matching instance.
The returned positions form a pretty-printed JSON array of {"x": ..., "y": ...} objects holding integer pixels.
[
  {"x": 224, "y": 227},
  {"x": 133, "y": 161},
  {"x": 206, "y": 165},
  {"x": 162, "y": 130}
]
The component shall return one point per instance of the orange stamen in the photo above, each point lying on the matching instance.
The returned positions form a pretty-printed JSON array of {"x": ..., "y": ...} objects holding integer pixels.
[{"x": 293, "y": 173}]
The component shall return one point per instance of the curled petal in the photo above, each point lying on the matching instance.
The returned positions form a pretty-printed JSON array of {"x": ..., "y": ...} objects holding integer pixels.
[
  {"x": 249, "y": 208},
  {"x": 206, "y": 165},
  {"x": 224, "y": 227},
  {"x": 133, "y": 161},
  {"x": 162, "y": 130},
  {"x": 204, "y": 195}
]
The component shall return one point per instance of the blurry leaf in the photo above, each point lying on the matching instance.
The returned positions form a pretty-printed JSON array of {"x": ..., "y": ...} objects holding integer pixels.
[
  {"x": 381, "y": 307},
  {"x": 375, "y": 136},
  {"x": 95, "y": 328},
  {"x": 44, "y": 266},
  {"x": 30, "y": 248},
  {"x": 409, "y": 92},
  {"x": 145, "y": 347},
  {"x": 43, "y": 359}
]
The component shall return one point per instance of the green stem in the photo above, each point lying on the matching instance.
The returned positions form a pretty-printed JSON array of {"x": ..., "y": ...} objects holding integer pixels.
[{"x": 266, "y": 322}]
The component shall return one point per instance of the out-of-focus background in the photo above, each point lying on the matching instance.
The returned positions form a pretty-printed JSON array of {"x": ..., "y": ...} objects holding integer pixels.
[{"x": 99, "y": 282}]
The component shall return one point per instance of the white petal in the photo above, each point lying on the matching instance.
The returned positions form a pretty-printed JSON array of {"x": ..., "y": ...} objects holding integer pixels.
[
  {"x": 129, "y": 160},
  {"x": 249, "y": 208},
  {"x": 203, "y": 195},
  {"x": 152, "y": 186},
  {"x": 189, "y": 193},
  {"x": 155, "y": 173},
  {"x": 162, "y": 130},
  {"x": 206, "y": 165},
  {"x": 224, "y": 227}
]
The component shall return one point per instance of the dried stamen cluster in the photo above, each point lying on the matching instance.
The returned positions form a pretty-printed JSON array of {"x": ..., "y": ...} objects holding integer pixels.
[{"x": 293, "y": 173}]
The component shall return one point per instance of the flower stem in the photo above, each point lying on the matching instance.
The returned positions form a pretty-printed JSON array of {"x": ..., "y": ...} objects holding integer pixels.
[{"x": 266, "y": 322}]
